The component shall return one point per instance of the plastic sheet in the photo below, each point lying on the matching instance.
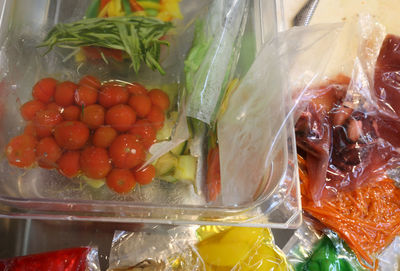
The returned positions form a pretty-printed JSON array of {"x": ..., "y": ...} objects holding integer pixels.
[
  {"x": 204, "y": 248},
  {"x": 72, "y": 259},
  {"x": 389, "y": 259}
]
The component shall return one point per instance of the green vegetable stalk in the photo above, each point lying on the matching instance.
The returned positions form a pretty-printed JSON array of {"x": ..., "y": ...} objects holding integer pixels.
[{"x": 139, "y": 37}]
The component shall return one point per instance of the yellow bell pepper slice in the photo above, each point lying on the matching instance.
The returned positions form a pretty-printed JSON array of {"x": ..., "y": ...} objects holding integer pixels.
[{"x": 149, "y": 4}]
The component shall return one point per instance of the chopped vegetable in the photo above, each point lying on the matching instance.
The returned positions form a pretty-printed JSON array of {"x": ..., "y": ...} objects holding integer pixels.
[{"x": 139, "y": 37}]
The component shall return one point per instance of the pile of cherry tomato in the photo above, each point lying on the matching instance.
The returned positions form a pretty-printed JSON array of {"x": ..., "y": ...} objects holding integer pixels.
[{"x": 97, "y": 130}]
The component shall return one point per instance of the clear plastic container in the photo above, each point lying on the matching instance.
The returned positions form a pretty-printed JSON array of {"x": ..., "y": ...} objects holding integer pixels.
[{"x": 45, "y": 194}]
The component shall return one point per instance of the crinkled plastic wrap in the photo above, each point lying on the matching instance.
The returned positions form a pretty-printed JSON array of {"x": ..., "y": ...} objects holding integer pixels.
[
  {"x": 72, "y": 259},
  {"x": 389, "y": 259},
  {"x": 347, "y": 128},
  {"x": 308, "y": 250},
  {"x": 205, "y": 248}
]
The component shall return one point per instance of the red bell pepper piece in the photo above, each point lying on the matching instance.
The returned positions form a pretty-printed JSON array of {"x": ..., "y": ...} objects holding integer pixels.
[{"x": 213, "y": 174}]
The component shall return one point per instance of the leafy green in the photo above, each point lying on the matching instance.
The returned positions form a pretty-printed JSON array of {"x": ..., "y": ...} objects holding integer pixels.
[{"x": 138, "y": 36}]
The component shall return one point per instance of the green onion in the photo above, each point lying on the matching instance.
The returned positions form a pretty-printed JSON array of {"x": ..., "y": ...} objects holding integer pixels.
[{"x": 138, "y": 36}]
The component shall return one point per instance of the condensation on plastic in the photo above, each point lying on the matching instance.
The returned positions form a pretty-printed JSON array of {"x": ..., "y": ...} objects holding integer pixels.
[
  {"x": 305, "y": 243},
  {"x": 204, "y": 248},
  {"x": 250, "y": 130},
  {"x": 347, "y": 124},
  {"x": 223, "y": 29},
  {"x": 389, "y": 259}
]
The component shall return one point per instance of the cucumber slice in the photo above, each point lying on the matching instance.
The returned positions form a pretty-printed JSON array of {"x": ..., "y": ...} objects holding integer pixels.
[
  {"x": 180, "y": 149},
  {"x": 186, "y": 168},
  {"x": 166, "y": 164},
  {"x": 165, "y": 132},
  {"x": 168, "y": 178},
  {"x": 95, "y": 183}
]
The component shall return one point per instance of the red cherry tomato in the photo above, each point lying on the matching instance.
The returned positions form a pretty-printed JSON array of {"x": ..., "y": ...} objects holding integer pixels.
[
  {"x": 64, "y": 93},
  {"x": 71, "y": 135},
  {"x": 68, "y": 164},
  {"x": 126, "y": 151},
  {"x": 29, "y": 109},
  {"x": 156, "y": 117},
  {"x": 44, "y": 89},
  {"x": 104, "y": 136},
  {"x": 93, "y": 116},
  {"x": 121, "y": 181},
  {"x": 121, "y": 117},
  {"x": 45, "y": 121},
  {"x": 91, "y": 81},
  {"x": 111, "y": 95},
  {"x": 136, "y": 89},
  {"x": 145, "y": 175},
  {"x": 95, "y": 163},
  {"x": 48, "y": 152},
  {"x": 159, "y": 98},
  {"x": 71, "y": 112},
  {"x": 141, "y": 104},
  {"x": 55, "y": 107},
  {"x": 30, "y": 129},
  {"x": 85, "y": 95},
  {"x": 145, "y": 131},
  {"x": 20, "y": 151}
]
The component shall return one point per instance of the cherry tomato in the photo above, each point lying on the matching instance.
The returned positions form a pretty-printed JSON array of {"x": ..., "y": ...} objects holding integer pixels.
[
  {"x": 121, "y": 117},
  {"x": 156, "y": 117},
  {"x": 141, "y": 104},
  {"x": 71, "y": 135},
  {"x": 55, "y": 107},
  {"x": 94, "y": 162},
  {"x": 20, "y": 151},
  {"x": 126, "y": 151},
  {"x": 159, "y": 98},
  {"x": 29, "y": 109},
  {"x": 145, "y": 131},
  {"x": 68, "y": 164},
  {"x": 121, "y": 181},
  {"x": 85, "y": 95},
  {"x": 48, "y": 152},
  {"x": 136, "y": 89},
  {"x": 145, "y": 175},
  {"x": 91, "y": 81},
  {"x": 64, "y": 93},
  {"x": 45, "y": 121},
  {"x": 104, "y": 136},
  {"x": 111, "y": 95},
  {"x": 44, "y": 89},
  {"x": 71, "y": 112},
  {"x": 93, "y": 116},
  {"x": 30, "y": 129}
]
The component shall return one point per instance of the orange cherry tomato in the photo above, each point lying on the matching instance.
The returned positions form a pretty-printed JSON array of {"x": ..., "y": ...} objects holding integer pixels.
[
  {"x": 141, "y": 104},
  {"x": 71, "y": 135},
  {"x": 29, "y": 109},
  {"x": 126, "y": 151},
  {"x": 104, "y": 136},
  {"x": 20, "y": 151},
  {"x": 121, "y": 117},
  {"x": 121, "y": 181},
  {"x": 159, "y": 98},
  {"x": 85, "y": 95},
  {"x": 55, "y": 107},
  {"x": 30, "y": 129},
  {"x": 91, "y": 81},
  {"x": 156, "y": 117},
  {"x": 93, "y": 116},
  {"x": 44, "y": 89},
  {"x": 94, "y": 162},
  {"x": 68, "y": 164},
  {"x": 145, "y": 175},
  {"x": 64, "y": 93},
  {"x": 45, "y": 121},
  {"x": 111, "y": 95},
  {"x": 71, "y": 112},
  {"x": 48, "y": 152},
  {"x": 145, "y": 131},
  {"x": 136, "y": 89}
]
